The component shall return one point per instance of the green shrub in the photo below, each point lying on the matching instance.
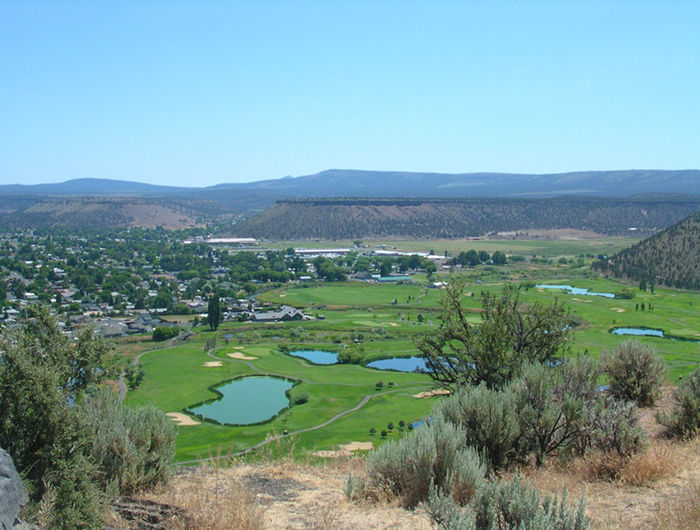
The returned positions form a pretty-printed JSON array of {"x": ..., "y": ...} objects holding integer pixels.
[
  {"x": 578, "y": 377},
  {"x": 684, "y": 420},
  {"x": 635, "y": 372},
  {"x": 71, "y": 498},
  {"x": 548, "y": 421},
  {"x": 507, "y": 506},
  {"x": 134, "y": 376},
  {"x": 132, "y": 448},
  {"x": 434, "y": 455},
  {"x": 512, "y": 505},
  {"x": 353, "y": 354},
  {"x": 489, "y": 419},
  {"x": 162, "y": 333},
  {"x": 300, "y": 399},
  {"x": 614, "y": 427}
]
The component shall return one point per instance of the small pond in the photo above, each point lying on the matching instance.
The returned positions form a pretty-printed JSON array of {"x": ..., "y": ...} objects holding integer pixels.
[
  {"x": 316, "y": 356},
  {"x": 399, "y": 364},
  {"x": 246, "y": 400},
  {"x": 649, "y": 332},
  {"x": 575, "y": 290}
]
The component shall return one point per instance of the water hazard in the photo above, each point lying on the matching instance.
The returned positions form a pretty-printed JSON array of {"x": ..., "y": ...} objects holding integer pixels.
[
  {"x": 649, "y": 332},
  {"x": 247, "y": 400},
  {"x": 399, "y": 364},
  {"x": 316, "y": 356},
  {"x": 575, "y": 290}
]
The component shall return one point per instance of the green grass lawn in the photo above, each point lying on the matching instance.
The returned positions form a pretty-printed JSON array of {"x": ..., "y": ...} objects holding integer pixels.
[{"x": 385, "y": 319}]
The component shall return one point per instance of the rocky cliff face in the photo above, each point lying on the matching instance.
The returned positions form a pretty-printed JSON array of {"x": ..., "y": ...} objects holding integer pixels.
[{"x": 13, "y": 494}]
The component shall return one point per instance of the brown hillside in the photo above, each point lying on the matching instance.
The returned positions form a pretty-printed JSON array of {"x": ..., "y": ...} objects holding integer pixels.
[
  {"x": 102, "y": 212},
  {"x": 430, "y": 218}
]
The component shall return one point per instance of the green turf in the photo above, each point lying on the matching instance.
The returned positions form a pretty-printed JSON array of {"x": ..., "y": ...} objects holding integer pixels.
[{"x": 386, "y": 320}]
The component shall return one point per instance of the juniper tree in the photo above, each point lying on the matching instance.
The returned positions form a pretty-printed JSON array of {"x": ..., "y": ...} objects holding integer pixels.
[{"x": 510, "y": 334}]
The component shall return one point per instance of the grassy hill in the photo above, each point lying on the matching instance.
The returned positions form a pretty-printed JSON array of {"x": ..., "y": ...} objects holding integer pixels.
[
  {"x": 453, "y": 218},
  {"x": 670, "y": 258}
]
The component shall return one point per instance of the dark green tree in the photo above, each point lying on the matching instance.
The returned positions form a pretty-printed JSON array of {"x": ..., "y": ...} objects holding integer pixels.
[
  {"x": 213, "y": 312},
  {"x": 499, "y": 258},
  {"x": 510, "y": 334}
]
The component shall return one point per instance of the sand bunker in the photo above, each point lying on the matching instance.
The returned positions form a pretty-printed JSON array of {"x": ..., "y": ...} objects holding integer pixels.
[
  {"x": 431, "y": 393},
  {"x": 617, "y": 309},
  {"x": 393, "y": 324},
  {"x": 242, "y": 357},
  {"x": 209, "y": 364},
  {"x": 238, "y": 347},
  {"x": 346, "y": 449},
  {"x": 181, "y": 419}
]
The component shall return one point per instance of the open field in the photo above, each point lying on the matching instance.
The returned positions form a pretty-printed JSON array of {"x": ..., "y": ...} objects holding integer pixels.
[
  {"x": 384, "y": 319},
  {"x": 540, "y": 247}
]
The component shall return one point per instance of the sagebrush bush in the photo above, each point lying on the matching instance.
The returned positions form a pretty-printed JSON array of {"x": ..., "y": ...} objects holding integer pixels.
[
  {"x": 434, "y": 454},
  {"x": 548, "y": 421},
  {"x": 684, "y": 419},
  {"x": 578, "y": 377},
  {"x": 635, "y": 372},
  {"x": 614, "y": 427},
  {"x": 131, "y": 448},
  {"x": 488, "y": 419},
  {"x": 507, "y": 506}
]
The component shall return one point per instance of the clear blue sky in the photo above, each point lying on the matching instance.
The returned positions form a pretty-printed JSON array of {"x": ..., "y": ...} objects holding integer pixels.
[{"x": 203, "y": 92}]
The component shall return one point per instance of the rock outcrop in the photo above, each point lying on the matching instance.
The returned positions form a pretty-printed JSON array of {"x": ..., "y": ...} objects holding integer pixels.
[{"x": 13, "y": 494}]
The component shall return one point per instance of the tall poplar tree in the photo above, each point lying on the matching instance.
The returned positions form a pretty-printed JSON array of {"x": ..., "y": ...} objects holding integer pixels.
[{"x": 213, "y": 312}]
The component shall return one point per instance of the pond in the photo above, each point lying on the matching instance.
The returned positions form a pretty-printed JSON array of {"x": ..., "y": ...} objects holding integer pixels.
[
  {"x": 399, "y": 364},
  {"x": 575, "y": 290},
  {"x": 649, "y": 332},
  {"x": 247, "y": 400},
  {"x": 316, "y": 356}
]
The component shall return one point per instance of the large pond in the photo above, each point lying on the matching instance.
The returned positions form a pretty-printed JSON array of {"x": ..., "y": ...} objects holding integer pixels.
[
  {"x": 399, "y": 364},
  {"x": 649, "y": 332},
  {"x": 316, "y": 356},
  {"x": 575, "y": 290},
  {"x": 247, "y": 400}
]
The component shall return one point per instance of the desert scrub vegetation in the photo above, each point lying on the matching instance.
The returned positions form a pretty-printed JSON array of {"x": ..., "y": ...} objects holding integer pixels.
[
  {"x": 452, "y": 464},
  {"x": 635, "y": 372},
  {"x": 74, "y": 444},
  {"x": 506, "y": 505},
  {"x": 684, "y": 419},
  {"x": 433, "y": 456},
  {"x": 131, "y": 448}
]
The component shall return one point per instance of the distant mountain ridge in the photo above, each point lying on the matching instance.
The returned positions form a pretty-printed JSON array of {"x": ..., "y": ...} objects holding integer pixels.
[
  {"x": 89, "y": 186},
  {"x": 109, "y": 202},
  {"x": 362, "y": 183}
]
